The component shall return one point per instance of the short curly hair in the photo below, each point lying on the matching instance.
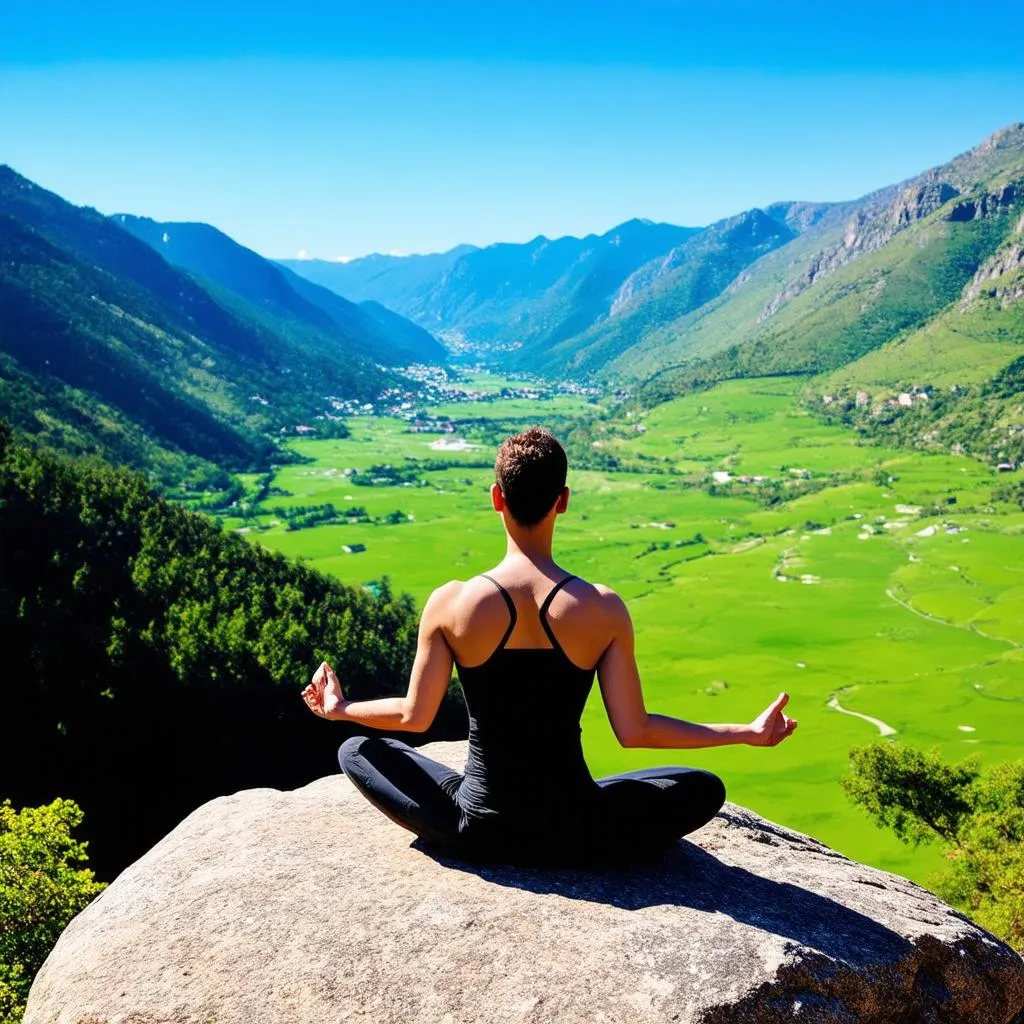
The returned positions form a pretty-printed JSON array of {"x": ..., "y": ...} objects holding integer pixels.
[{"x": 531, "y": 468}]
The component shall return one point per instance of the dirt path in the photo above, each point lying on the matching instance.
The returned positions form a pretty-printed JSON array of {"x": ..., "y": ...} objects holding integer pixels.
[
  {"x": 952, "y": 625},
  {"x": 883, "y": 728}
]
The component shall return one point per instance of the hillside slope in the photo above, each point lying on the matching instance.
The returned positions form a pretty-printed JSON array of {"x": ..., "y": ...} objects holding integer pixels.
[
  {"x": 668, "y": 287},
  {"x": 282, "y": 294},
  {"x": 955, "y": 384},
  {"x": 844, "y": 288},
  {"x": 130, "y": 623},
  {"x": 106, "y": 348},
  {"x": 81, "y": 369}
]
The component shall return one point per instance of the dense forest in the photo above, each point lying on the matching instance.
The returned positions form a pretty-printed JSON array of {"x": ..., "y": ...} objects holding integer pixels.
[{"x": 154, "y": 662}]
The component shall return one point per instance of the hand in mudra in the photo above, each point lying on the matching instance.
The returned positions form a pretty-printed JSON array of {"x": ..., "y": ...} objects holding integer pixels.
[
  {"x": 323, "y": 696},
  {"x": 771, "y": 727}
]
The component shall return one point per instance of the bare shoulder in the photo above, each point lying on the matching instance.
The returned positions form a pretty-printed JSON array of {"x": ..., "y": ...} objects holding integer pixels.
[
  {"x": 609, "y": 599},
  {"x": 449, "y": 591},
  {"x": 453, "y": 603},
  {"x": 603, "y": 601},
  {"x": 443, "y": 600}
]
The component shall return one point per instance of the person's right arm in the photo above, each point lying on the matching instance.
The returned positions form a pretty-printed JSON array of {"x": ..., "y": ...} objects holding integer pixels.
[
  {"x": 635, "y": 726},
  {"x": 428, "y": 682}
]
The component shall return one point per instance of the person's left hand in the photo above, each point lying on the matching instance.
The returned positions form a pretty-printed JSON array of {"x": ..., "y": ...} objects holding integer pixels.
[
  {"x": 771, "y": 727},
  {"x": 323, "y": 695}
]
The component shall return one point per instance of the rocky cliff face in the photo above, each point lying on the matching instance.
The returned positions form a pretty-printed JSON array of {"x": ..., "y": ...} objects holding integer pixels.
[
  {"x": 312, "y": 907},
  {"x": 877, "y": 223},
  {"x": 1001, "y": 276},
  {"x": 866, "y": 232},
  {"x": 987, "y": 204}
]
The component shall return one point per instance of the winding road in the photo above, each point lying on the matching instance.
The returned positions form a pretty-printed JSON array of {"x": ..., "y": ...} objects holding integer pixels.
[{"x": 883, "y": 728}]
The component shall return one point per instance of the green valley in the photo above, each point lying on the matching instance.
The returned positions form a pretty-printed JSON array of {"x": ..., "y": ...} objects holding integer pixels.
[{"x": 759, "y": 548}]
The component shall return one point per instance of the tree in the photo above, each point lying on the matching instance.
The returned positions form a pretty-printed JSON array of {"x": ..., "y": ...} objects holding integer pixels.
[
  {"x": 978, "y": 817},
  {"x": 130, "y": 624},
  {"x": 42, "y": 886}
]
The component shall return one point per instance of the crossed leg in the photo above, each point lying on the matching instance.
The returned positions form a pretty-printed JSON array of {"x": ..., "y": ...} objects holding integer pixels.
[
  {"x": 637, "y": 814},
  {"x": 643, "y": 812},
  {"x": 410, "y": 788}
]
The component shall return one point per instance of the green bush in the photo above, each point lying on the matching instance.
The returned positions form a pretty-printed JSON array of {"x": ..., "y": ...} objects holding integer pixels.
[
  {"x": 42, "y": 886},
  {"x": 978, "y": 817}
]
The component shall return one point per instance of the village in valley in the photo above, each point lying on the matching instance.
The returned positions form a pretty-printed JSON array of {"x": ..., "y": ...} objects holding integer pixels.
[
  {"x": 431, "y": 386},
  {"x": 860, "y": 408}
]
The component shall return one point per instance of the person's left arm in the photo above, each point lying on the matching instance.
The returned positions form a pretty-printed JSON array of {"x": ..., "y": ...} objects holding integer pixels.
[{"x": 428, "y": 682}]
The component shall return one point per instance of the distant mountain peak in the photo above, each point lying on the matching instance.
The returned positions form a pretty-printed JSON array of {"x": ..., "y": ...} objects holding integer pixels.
[
  {"x": 1010, "y": 136},
  {"x": 638, "y": 222},
  {"x": 207, "y": 251}
]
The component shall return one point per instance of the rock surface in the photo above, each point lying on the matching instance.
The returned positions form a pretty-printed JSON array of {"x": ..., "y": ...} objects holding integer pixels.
[
  {"x": 310, "y": 906},
  {"x": 867, "y": 231},
  {"x": 1000, "y": 277}
]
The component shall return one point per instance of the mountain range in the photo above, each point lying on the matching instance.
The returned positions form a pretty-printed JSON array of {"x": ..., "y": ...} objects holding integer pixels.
[
  {"x": 505, "y": 296},
  {"x": 796, "y": 287},
  {"x": 172, "y": 348},
  {"x": 181, "y": 357},
  {"x": 283, "y": 295}
]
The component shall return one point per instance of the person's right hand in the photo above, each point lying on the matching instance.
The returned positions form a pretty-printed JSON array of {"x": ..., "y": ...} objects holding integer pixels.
[
  {"x": 313, "y": 694},
  {"x": 771, "y": 727},
  {"x": 331, "y": 696},
  {"x": 323, "y": 695}
]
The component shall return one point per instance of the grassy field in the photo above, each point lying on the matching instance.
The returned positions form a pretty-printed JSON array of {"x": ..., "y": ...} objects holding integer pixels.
[{"x": 882, "y": 578}]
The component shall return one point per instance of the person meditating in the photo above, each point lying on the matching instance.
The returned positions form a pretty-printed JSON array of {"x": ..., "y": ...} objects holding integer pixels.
[{"x": 527, "y": 639}]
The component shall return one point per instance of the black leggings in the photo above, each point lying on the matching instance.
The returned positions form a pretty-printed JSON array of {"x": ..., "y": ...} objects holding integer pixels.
[{"x": 632, "y": 816}]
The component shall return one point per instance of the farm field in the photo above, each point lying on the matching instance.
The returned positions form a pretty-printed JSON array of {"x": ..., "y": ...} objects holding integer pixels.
[{"x": 882, "y": 581}]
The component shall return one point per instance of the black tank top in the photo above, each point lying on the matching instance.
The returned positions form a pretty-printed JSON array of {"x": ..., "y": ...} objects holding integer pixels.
[{"x": 525, "y": 769}]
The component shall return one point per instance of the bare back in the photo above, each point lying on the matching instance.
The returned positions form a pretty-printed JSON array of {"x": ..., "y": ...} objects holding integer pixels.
[{"x": 478, "y": 617}]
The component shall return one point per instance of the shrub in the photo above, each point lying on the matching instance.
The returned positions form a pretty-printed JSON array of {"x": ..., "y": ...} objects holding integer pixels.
[
  {"x": 42, "y": 886},
  {"x": 978, "y": 817}
]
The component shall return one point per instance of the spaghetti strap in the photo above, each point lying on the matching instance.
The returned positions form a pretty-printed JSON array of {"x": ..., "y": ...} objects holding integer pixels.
[
  {"x": 544, "y": 614},
  {"x": 513, "y": 617}
]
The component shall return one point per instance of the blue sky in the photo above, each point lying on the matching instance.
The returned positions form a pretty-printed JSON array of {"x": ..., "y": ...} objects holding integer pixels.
[{"x": 345, "y": 128}]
